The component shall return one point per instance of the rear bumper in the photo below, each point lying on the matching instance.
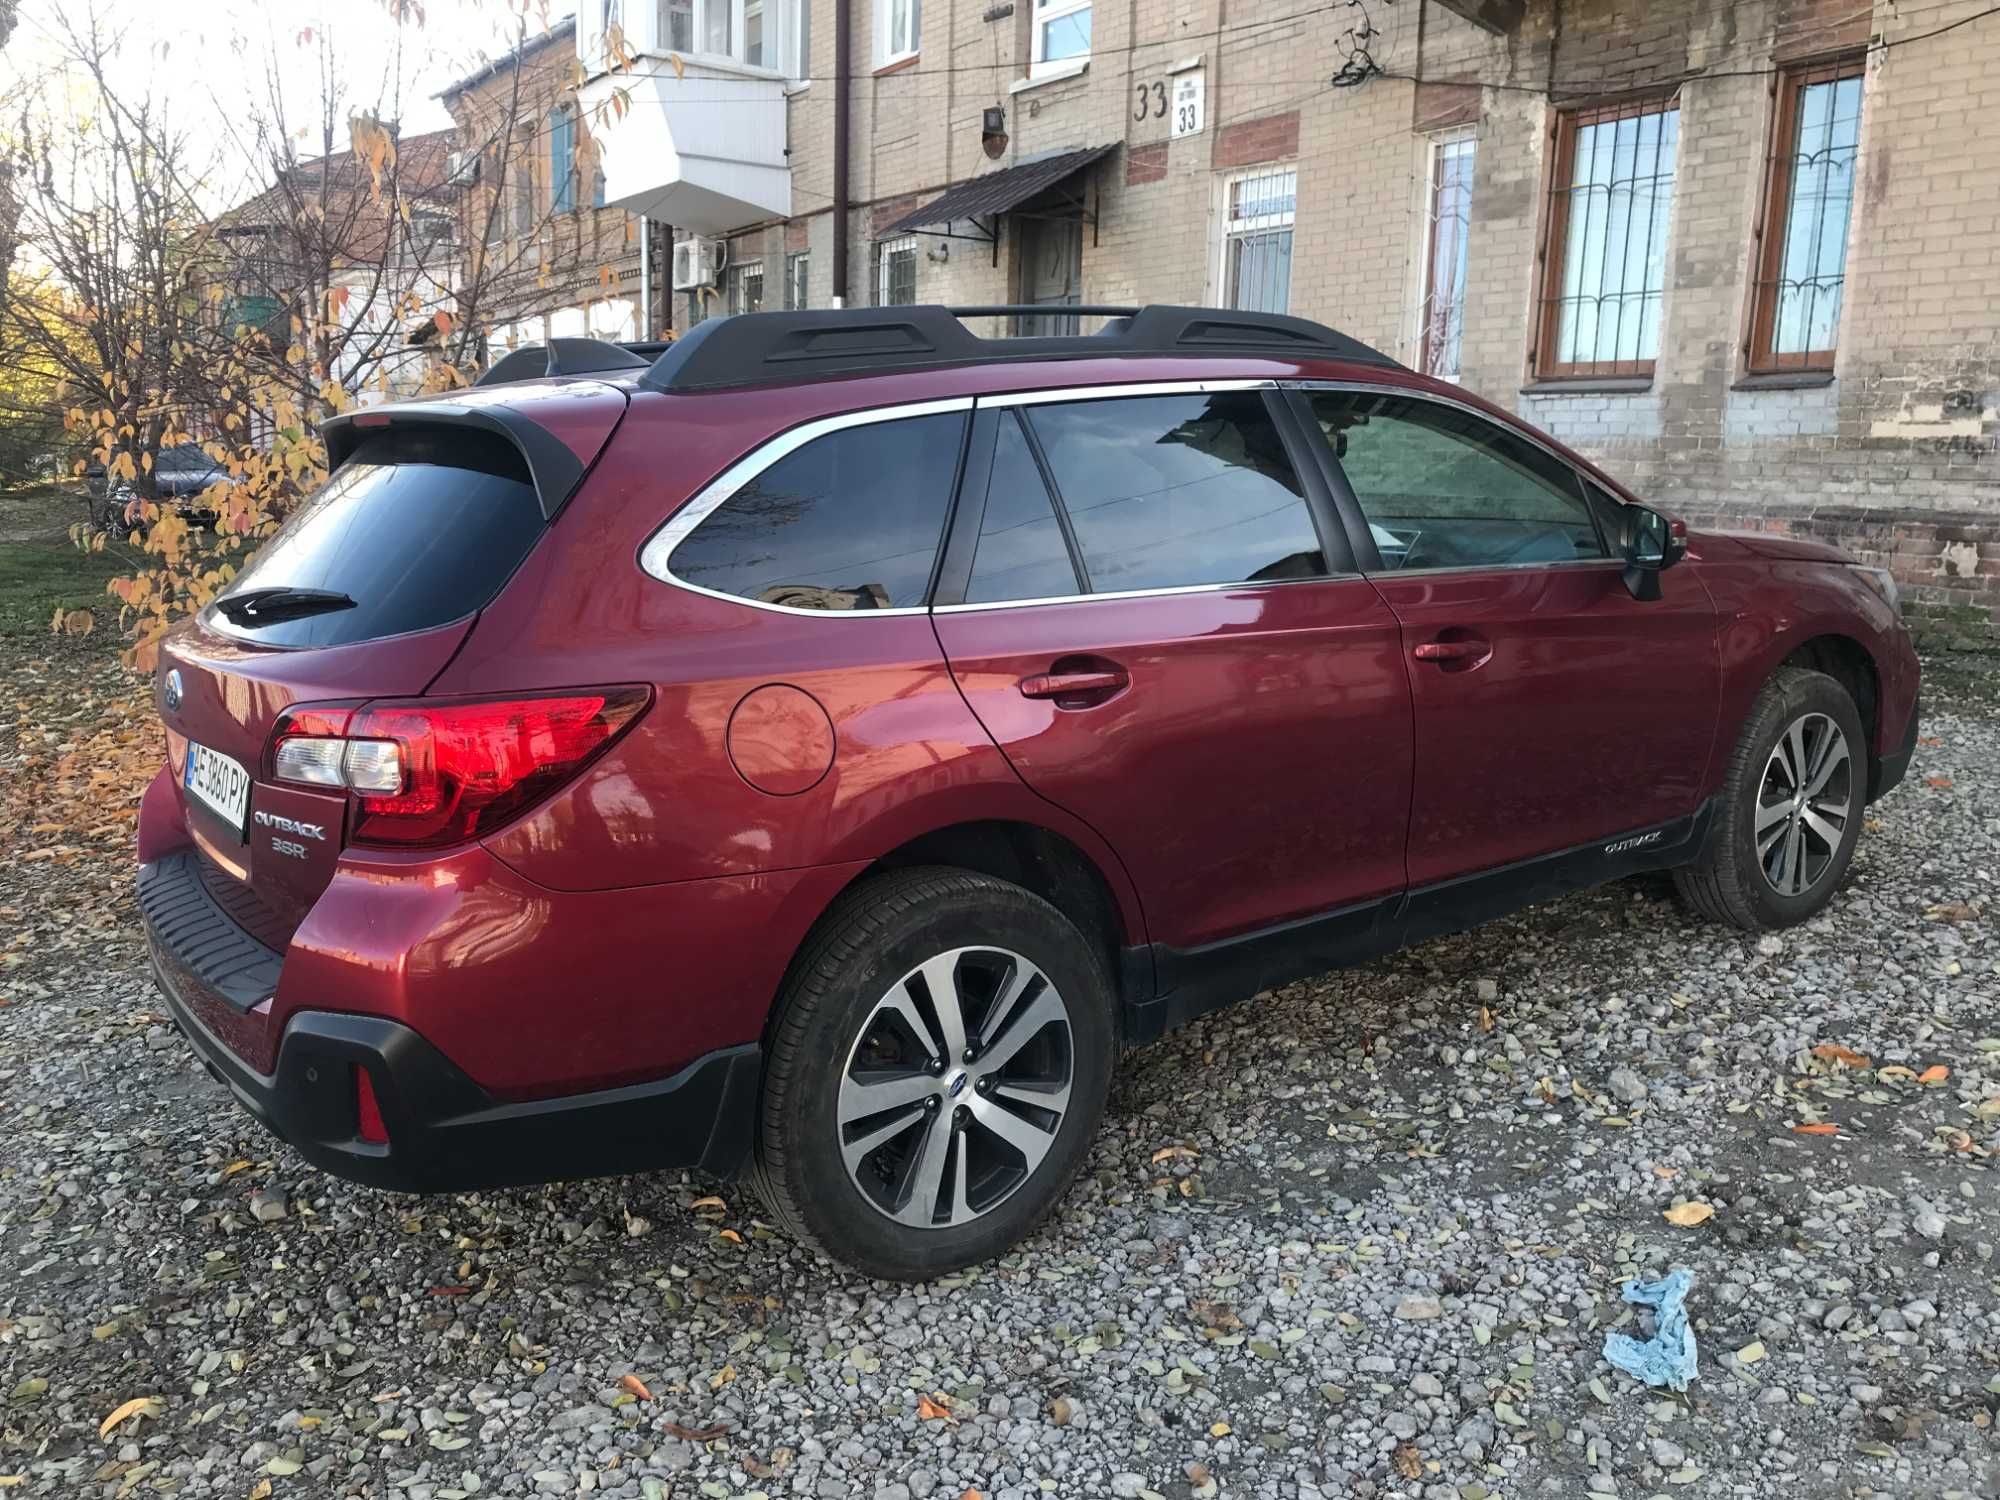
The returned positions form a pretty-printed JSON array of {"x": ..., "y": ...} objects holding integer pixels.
[
  {"x": 446, "y": 1134},
  {"x": 1890, "y": 769}
]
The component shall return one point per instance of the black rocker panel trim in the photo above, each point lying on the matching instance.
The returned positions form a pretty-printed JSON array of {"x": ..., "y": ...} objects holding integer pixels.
[{"x": 1190, "y": 982}]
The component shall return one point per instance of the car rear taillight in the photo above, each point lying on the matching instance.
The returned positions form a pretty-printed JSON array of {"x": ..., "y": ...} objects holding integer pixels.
[{"x": 425, "y": 772}]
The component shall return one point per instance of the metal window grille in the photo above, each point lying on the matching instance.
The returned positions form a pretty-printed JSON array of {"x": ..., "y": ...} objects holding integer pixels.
[
  {"x": 1447, "y": 239},
  {"x": 746, "y": 287},
  {"x": 1800, "y": 271},
  {"x": 896, "y": 280},
  {"x": 798, "y": 277},
  {"x": 1257, "y": 242},
  {"x": 1604, "y": 247}
]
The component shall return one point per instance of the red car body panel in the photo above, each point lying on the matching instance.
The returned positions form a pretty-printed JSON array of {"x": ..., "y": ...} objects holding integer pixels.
[
  {"x": 1595, "y": 714},
  {"x": 1310, "y": 672},
  {"x": 1278, "y": 754}
]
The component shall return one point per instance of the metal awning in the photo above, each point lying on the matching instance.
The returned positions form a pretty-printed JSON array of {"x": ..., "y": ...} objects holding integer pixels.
[{"x": 993, "y": 193}]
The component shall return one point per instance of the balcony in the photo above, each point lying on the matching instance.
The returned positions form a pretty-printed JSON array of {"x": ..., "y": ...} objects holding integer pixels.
[{"x": 701, "y": 147}]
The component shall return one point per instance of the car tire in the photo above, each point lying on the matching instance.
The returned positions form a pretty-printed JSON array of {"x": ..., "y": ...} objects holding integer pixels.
[
  {"x": 1774, "y": 858},
  {"x": 967, "y": 1153}
]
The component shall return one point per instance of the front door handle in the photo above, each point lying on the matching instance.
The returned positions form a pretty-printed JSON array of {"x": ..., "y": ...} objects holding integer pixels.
[
  {"x": 1076, "y": 689},
  {"x": 1451, "y": 650}
]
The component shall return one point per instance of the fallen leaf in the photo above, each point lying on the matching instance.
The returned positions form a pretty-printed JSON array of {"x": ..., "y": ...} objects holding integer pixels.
[
  {"x": 1166, "y": 1153},
  {"x": 1749, "y": 1354},
  {"x": 694, "y": 1434},
  {"x": 1935, "y": 1074},
  {"x": 932, "y": 1411},
  {"x": 709, "y": 1202},
  {"x": 635, "y": 1385},
  {"x": 263, "y": 1490},
  {"x": 1687, "y": 1215},
  {"x": 450, "y": 1291},
  {"x": 1847, "y": 1058},
  {"x": 1938, "y": 781},
  {"x": 1486, "y": 1023},
  {"x": 138, "y": 1406},
  {"x": 732, "y": 1236},
  {"x": 1409, "y": 1462},
  {"x": 1952, "y": 911},
  {"x": 1818, "y": 1127},
  {"x": 8, "y": 1481},
  {"x": 1218, "y": 1429}
]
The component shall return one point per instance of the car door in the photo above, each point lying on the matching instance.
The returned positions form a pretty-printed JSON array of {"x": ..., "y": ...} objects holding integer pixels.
[
  {"x": 1552, "y": 708},
  {"x": 1144, "y": 613}
]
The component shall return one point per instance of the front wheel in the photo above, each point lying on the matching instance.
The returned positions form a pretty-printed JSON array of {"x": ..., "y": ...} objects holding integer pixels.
[
  {"x": 937, "y": 1070},
  {"x": 1790, "y": 810}
]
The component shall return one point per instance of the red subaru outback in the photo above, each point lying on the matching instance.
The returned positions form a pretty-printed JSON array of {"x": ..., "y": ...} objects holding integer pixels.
[{"x": 816, "y": 751}]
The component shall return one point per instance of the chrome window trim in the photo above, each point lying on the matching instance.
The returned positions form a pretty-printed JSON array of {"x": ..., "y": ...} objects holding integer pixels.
[
  {"x": 656, "y": 554},
  {"x": 1181, "y": 588},
  {"x": 1527, "y": 436},
  {"x": 1115, "y": 392}
]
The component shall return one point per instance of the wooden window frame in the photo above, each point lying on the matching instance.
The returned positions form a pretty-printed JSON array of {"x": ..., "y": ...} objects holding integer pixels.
[
  {"x": 1767, "y": 245},
  {"x": 1565, "y": 123}
]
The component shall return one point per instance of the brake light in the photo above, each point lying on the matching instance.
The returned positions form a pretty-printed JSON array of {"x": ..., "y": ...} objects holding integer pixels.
[{"x": 427, "y": 772}]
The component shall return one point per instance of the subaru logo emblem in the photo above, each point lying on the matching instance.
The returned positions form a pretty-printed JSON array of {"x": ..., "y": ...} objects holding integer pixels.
[{"x": 172, "y": 691}]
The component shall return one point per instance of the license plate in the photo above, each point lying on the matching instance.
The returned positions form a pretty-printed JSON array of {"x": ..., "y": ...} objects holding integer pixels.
[{"x": 218, "y": 783}]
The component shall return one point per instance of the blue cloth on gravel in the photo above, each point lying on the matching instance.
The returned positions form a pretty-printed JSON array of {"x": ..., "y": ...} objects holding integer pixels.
[{"x": 1668, "y": 1357}]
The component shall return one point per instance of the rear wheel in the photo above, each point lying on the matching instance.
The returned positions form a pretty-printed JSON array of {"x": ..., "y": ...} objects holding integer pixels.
[
  {"x": 1790, "y": 812},
  {"x": 938, "y": 1067}
]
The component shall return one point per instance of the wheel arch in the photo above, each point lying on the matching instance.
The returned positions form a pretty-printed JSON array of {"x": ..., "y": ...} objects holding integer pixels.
[{"x": 1849, "y": 663}]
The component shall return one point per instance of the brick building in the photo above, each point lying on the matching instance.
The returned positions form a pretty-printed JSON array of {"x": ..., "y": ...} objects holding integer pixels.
[{"x": 1744, "y": 254}]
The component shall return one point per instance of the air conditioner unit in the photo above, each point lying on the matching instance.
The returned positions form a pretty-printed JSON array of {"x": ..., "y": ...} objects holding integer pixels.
[{"x": 697, "y": 263}]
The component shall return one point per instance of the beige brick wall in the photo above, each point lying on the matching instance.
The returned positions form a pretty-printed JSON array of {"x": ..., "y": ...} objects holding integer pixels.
[{"x": 1899, "y": 453}]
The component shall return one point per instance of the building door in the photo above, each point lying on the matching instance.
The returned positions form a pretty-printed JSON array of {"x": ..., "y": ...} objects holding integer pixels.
[{"x": 1051, "y": 272}]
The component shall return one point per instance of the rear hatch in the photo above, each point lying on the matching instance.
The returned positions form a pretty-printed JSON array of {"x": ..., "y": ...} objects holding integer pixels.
[{"x": 364, "y": 593}]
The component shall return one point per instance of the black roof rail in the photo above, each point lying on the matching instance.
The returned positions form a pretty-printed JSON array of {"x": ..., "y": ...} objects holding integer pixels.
[
  {"x": 568, "y": 357},
  {"x": 764, "y": 348}
]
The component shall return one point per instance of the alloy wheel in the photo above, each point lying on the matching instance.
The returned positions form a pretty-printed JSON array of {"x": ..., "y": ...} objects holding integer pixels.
[
  {"x": 1804, "y": 803},
  {"x": 956, "y": 1087}
]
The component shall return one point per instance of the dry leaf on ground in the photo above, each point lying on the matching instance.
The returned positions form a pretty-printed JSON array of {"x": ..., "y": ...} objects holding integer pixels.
[
  {"x": 1845, "y": 1056},
  {"x": 1818, "y": 1127},
  {"x": 138, "y": 1406},
  {"x": 635, "y": 1385},
  {"x": 1687, "y": 1215}
]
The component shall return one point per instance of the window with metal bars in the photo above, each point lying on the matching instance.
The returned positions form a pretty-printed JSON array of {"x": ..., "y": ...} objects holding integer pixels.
[
  {"x": 1448, "y": 237},
  {"x": 896, "y": 273},
  {"x": 1799, "y": 274},
  {"x": 1604, "y": 240},
  {"x": 746, "y": 287},
  {"x": 1257, "y": 239}
]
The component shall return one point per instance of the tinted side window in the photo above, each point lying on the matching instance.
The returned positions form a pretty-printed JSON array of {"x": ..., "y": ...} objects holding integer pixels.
[
  {"x": 1021, "y": 553},
  {"x": 849, "y": 521},
  {"x": 1443, "y": 488},
  {"x": 1164, "y": 491},
  {"x": 418, "y": 527}
]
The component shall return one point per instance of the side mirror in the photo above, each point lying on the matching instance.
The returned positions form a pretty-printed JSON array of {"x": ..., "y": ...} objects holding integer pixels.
[{"x": 1651, "y": 544}]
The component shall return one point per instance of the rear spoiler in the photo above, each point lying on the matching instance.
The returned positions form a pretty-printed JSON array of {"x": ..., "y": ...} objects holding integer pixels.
[{"x": 553, "y": 467}]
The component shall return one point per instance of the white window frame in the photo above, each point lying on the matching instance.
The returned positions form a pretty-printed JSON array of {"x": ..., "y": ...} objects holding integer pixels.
[
  {"x": 798, "y": 280},
  {"x": 786, "y": 37},
  {"x": 1433, "y": 145},
  {"x": 885, "y": 26},
  {"x": 883, "y": 252},
  {"x": 1228, "y": 231},
  {"x": 1045, "y": 11}
]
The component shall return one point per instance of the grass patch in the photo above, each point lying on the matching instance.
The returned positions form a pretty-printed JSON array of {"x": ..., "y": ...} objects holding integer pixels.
[
  {"x": 38, "y": 577},
  {"x": 41, "y": 569}
]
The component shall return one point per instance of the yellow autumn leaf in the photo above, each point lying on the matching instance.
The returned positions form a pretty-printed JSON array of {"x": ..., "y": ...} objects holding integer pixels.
[
  {"x": 1935, "y": 1074},
  {"x": 1749, "y": 1354},
  {"x": 1687, "y": 1215},
  {"x": 138, "y": 1406}
]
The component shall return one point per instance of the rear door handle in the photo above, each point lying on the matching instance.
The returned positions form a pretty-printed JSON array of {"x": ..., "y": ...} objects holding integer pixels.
[{"x": 1076, "y": 689}]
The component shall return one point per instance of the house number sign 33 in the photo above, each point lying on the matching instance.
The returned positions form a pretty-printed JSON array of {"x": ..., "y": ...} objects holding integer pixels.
[{"x": 1184, "y": 109}]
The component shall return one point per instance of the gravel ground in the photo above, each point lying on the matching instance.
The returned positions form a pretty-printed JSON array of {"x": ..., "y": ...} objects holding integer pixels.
[{"x": 1361, "y": 1237}]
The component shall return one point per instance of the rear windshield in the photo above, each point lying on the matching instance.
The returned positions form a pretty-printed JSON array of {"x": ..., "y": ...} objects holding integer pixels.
[{"x": 419, "y": 527}]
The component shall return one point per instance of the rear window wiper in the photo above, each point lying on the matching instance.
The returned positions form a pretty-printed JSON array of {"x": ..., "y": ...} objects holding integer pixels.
[{"x": 257, "y": 606}]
